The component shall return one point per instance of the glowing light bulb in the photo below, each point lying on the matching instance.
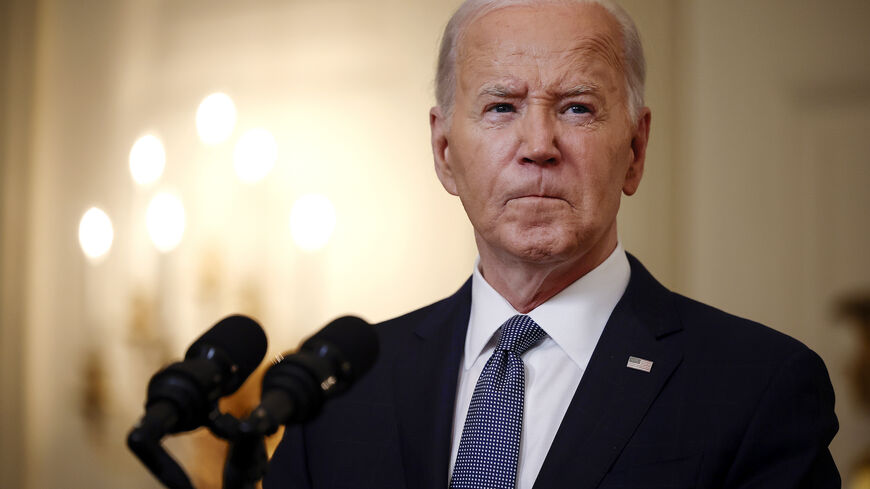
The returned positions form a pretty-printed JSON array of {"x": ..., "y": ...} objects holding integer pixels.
[
  {"x": 215, "y": 118},
  {"x": 165, "y": 221},
  {"x": 147, "y": 159},
  {"x": 255, "y": 155},
  {"x": 95, "y": 233},
  {"x": 312, "y": 221}
]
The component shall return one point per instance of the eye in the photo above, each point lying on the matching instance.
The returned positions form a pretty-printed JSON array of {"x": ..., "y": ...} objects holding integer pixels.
[
  {"x": 579, "y": 109},
  {"x": 502, "y": 108}
]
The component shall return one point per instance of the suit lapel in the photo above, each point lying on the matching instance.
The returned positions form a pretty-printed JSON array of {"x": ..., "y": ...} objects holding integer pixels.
[
  {"x": 426, "y": 374},
  {"x": 612, "y": 399}
]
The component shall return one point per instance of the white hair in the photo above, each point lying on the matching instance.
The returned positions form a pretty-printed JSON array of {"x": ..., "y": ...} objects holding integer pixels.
[{"x": 634, "y": 64}]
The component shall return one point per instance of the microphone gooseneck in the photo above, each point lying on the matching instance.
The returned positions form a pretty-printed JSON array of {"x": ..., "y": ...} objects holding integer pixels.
[{"x": 184, "y": 395}]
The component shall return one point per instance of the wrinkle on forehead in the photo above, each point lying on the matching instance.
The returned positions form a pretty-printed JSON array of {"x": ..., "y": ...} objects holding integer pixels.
[
  {"x": 486, "y": 48},
  {"x": 603, "y": 47}
]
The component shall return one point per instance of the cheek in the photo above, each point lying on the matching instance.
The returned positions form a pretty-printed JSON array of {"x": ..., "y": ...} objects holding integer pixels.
[
  {"x": 483, "y": 166},
  {"x": 600, "y": 174}
]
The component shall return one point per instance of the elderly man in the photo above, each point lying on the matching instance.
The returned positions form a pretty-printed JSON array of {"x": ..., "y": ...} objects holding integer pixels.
[{"x": 562, "y": 362}]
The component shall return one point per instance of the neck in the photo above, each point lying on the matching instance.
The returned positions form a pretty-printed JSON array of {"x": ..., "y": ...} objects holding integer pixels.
[{"x": 527, "y": 284}]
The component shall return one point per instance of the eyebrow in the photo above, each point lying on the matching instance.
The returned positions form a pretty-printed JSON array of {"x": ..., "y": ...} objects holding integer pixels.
[
  {"x": 580, "y": 90},
  {"x": 495, "y": 91},
  {"x": 498, "y": 91}
]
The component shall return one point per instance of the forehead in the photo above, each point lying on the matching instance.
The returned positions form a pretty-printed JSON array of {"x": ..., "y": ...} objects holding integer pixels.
[{"x": 544, "y": 44}]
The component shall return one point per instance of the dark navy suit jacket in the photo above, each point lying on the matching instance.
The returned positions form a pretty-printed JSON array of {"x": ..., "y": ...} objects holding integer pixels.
[{"x": 728, "y": 403}]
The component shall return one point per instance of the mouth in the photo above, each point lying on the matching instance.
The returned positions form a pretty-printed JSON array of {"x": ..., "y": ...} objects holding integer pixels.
[
  {"x": 538, "y": 201},
  {"x": 534, "y": 197}
]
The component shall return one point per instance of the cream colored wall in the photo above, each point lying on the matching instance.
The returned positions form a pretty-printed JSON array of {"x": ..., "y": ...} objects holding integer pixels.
[
  {"x": 17, "y": 23},
  {"x": 734, "y": 207},
  {"x": 650, "y": 220}
]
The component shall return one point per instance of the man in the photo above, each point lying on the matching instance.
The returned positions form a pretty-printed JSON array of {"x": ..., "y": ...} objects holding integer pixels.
[{"x": 562, "y": 362}]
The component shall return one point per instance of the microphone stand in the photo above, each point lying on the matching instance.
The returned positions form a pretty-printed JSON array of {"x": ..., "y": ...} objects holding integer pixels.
[
  {"x": 246, "y": 461},
  {"x": 144, "y": 442}
]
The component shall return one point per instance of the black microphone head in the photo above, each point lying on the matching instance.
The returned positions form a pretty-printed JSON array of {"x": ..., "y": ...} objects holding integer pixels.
[
  {"x": 354, "y": 338},
  {"x": 238, "y": 339}
]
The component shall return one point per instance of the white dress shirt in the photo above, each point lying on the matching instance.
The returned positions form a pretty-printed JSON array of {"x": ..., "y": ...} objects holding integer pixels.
[{"x": 573, "y": 320}]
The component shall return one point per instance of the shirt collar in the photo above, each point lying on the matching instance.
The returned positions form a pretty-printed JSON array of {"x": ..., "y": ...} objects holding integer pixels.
[{"x": 574, "y": 318}]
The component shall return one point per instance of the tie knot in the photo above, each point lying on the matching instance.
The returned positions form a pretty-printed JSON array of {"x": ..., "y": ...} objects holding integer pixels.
[{"x": 519, "y": 333}]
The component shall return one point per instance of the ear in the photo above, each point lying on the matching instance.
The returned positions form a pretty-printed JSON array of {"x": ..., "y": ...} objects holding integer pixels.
[
  {"x": 438, "y": 127},
  {"x": 639, "y": 140}
]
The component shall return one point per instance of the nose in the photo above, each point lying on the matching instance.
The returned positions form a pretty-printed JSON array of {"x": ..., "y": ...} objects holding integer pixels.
[{"x": 538, "y": 139}]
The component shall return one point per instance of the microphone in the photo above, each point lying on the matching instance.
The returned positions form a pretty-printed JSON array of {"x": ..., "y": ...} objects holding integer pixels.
[
  {"x": 182, "y": 395},
  {"x": 327, "y": 364}
]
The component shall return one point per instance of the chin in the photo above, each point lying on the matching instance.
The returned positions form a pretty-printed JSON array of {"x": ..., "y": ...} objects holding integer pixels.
[{"x": 541, "y": 245}]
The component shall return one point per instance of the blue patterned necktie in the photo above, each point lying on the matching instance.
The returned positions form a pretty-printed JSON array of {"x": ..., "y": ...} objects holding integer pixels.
[{"x": 490, "y": 443}]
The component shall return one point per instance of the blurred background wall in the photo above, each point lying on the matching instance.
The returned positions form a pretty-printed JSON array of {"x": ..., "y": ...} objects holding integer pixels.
[{"x": 754, "y": 198}]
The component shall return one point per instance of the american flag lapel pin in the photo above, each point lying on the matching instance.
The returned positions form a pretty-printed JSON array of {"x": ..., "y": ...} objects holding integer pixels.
[{"x": 639, "y": 364}]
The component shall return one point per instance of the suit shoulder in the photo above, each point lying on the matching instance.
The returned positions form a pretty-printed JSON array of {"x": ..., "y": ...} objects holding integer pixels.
[
  {"x": 708, "y": 332},
  {"x": 399, "y": 327},
  {"x": 410, "y": 318},
  {"x": 714, "y": 329}
]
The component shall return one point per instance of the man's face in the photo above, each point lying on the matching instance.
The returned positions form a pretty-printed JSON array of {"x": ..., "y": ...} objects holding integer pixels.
[{"x": 540, "y": 144}]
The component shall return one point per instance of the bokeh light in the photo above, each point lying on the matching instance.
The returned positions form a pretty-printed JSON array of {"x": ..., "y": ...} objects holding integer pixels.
[
  {"x": 215, "y": 118},
  {"x": 255, "y": 154},
  {"x": 312, "y": 221},
  {"x": 95, "y": 233},
  {"x": 165, "y": 221},
  {"x": 147, "y": 159}
]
